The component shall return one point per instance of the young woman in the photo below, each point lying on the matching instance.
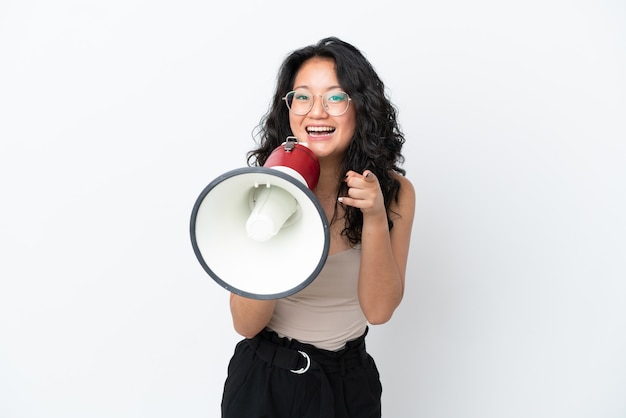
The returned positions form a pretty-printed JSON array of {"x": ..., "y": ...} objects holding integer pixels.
[{"x": 304, "y": 355}]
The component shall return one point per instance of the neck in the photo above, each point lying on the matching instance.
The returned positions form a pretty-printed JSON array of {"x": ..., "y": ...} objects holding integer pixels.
[{"x": 327, "y": 184}]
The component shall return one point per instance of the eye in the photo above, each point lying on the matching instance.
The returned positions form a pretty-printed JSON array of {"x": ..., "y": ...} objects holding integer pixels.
[
  {"x": 336, "y": 97},
  {"x": 301, "y": 96}
]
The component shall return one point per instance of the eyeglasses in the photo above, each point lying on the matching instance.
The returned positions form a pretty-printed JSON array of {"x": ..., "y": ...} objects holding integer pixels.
[{"x": 300, "y": 102}]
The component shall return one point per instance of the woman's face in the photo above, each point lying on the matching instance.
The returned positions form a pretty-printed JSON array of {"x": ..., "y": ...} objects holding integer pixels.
[{"x": 326, "y": 135}]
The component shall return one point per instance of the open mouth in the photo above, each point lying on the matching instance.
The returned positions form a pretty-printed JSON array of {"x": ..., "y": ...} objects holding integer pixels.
[{"x": 320, "y": 130}]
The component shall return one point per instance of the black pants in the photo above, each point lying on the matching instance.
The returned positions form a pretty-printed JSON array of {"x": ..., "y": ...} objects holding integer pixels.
[{"x": 276, "y": 377}]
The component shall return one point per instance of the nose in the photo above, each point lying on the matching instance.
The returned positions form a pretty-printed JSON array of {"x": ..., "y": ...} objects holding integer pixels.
[{"x": 318, "y": 107}]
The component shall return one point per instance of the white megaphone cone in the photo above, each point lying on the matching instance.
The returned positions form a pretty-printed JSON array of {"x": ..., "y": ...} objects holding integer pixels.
[{"x": 260, "y": 232}]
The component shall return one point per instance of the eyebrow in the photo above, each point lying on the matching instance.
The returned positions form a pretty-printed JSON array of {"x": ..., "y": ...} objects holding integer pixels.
[{"x": 331, "y": 88}]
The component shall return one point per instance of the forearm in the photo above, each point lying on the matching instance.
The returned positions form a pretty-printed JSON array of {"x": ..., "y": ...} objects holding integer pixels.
[
  {"x": 250, "y": 316},
  {"x": 381, "y": 281}
]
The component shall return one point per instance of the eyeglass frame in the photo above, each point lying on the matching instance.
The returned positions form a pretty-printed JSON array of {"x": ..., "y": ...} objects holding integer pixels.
[{"x": 324, "y": 102}]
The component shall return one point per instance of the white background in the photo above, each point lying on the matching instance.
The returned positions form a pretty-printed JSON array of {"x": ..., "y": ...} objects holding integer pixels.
[{"x": 115, "y": 115}]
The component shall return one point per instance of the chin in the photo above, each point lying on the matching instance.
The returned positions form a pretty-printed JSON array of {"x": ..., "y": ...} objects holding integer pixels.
[{"x": 320, "y": 150}]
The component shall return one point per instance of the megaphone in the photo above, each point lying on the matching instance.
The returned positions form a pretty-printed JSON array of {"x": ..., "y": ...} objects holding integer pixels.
[{"x": 260, "y": 232}]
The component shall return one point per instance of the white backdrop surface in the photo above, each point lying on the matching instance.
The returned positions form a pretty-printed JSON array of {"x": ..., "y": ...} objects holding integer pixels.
[{"x": 115, "y": 115}]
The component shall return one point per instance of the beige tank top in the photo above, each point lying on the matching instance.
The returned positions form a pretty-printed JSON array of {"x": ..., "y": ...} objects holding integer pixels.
[{"x": 326, "y": 313}]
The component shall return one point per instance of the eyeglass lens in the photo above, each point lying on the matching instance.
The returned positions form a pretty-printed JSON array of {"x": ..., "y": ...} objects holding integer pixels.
[{"x": 300, "y": 102}]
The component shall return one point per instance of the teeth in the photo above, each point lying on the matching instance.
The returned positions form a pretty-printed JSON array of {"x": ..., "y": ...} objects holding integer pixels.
[{"x": 320, "y": 129}]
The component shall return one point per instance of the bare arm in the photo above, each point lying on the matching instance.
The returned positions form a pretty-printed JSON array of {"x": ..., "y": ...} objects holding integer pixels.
[
  {"x": 384, "y": 253},
  {"x": 250, "y": 316}
]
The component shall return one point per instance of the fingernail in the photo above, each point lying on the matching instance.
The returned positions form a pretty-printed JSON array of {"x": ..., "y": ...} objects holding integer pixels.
[{"x": 340, "y": 199}]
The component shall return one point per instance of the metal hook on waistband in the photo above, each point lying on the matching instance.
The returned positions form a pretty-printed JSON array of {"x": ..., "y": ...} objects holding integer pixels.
[{"x": 305, "y": 368}]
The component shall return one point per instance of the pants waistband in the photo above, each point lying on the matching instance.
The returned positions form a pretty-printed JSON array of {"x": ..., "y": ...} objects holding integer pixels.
[{"x": 294, "y": 355}]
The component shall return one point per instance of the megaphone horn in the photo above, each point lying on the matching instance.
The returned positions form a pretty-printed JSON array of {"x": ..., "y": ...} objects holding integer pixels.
[{"x": 260, "y": 232}]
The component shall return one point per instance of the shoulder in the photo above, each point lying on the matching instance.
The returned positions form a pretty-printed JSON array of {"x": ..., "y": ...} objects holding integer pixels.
[
  {"x": 404, "y": 205},
  {"x": 406, "y": 191}
]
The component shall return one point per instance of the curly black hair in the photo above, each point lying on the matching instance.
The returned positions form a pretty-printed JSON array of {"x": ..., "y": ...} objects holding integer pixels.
[{"x": 377, "y": 141}]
